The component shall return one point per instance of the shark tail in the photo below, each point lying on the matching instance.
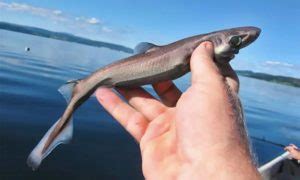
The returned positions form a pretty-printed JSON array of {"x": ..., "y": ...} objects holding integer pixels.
[{"x": 37, "y": 155}]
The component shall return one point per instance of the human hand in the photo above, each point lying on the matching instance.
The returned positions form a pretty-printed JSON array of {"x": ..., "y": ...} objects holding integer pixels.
[
  {"x": 294, "y": 151},
  {"x": 198, "y": 134}
]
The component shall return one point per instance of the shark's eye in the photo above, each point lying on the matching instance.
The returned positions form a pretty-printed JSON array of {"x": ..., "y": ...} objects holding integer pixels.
[{"x": 235, "y": 41}]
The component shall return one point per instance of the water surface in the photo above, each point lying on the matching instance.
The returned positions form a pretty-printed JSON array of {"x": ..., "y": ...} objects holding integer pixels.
[{"x": 101, "y": 149}]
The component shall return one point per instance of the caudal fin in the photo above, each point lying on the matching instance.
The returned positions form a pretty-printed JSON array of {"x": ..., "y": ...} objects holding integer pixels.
[{"x": 39, "y": 153}]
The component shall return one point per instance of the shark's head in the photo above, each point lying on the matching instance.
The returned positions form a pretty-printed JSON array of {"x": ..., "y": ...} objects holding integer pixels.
[{"x": 228, "y": 42}]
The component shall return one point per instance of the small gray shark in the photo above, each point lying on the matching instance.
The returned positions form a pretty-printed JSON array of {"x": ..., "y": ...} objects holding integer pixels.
[{"x": 150, "y": 64}]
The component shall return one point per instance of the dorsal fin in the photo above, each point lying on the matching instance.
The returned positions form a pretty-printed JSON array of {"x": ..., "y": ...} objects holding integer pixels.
[{"x": 144, "y": 47}]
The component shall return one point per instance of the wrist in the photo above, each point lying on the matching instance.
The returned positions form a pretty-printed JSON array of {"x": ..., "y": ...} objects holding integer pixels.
[
  {"x": 223, "y": 161},
  {"x": 230, "y": 166}
]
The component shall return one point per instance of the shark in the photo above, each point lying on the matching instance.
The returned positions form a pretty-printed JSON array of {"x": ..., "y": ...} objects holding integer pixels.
[{"x": 149, "y": 64}]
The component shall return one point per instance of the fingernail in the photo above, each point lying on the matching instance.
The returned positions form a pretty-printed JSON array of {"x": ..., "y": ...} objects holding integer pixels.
[
  {"x": 101, "y": 93},
  {"x": 100, "y": 90},
  {"x": 207, "y": 45}
]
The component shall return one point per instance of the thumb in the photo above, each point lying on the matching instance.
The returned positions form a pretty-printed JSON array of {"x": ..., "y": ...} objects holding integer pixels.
[{"x": 203, "y": 68}]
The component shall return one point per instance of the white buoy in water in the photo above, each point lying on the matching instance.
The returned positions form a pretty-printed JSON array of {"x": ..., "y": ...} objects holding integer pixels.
[{"x": 27, "y": 48}]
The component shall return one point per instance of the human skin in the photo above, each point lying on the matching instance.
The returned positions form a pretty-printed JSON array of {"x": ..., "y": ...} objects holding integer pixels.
[
  {"x": 294, "y": 151},
  {"x": 198, "y": 134}
]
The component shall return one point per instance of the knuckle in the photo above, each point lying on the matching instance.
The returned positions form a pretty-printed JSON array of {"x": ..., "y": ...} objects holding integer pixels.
[{"x": 135, "y": 122}]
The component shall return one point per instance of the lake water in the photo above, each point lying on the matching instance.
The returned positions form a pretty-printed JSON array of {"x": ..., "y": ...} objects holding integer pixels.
[{"x": 101, "y": 149}]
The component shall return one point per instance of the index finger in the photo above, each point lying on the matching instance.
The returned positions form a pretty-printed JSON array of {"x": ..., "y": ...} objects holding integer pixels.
[{"x": 132, "y": 120}]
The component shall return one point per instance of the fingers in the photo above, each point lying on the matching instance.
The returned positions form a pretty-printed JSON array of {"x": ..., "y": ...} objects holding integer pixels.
[
  {"x": 168, "y": 92},
  {"x": 143, "y": 102},
  {"x": 133, "y": 121},
  {"x": 288, "y": 148},
  {"x": 294, "y": 151},
  {"x": 291, "y": 148},
  {"x": 230, "y": 76},
  {"x": 203, "y": 67},
  {"x": 294, "y": 146}
]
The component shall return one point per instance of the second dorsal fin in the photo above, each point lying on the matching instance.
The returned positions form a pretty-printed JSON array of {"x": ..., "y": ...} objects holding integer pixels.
[{"x": 144, "y": 47}]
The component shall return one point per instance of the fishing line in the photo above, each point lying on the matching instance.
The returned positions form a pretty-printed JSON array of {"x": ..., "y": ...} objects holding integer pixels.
[{"x": 267, "y": 141}]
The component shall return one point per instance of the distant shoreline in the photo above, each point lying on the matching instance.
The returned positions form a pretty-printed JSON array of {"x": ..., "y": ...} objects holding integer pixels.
[
  {"x": 61, "y": 36},
  {"x": 289, "y": 81}
]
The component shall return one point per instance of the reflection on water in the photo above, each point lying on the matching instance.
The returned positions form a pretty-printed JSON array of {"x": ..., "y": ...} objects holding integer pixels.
[{"x": 101, "y": 149}]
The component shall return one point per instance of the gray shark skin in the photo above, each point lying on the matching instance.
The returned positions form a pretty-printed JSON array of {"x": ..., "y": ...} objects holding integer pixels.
[{"x": 153, "y": 64}]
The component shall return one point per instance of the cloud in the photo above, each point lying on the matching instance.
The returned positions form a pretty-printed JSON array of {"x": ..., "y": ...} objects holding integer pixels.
[
  {"x": 56, "y": 16},
  {"x": 37, "y": 11},
  {"x": 278, "y": 63},
  {"x": 57, "y": 20},
  {"x": 106, "y": 29},
  {"x": 93, "y": 20},
  {"x": 57, "y": 12}
]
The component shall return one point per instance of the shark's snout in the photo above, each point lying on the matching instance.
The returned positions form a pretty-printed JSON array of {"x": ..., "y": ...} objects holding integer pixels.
[
  {"x": 229, "y": 42},
  {"x": 250, "y": 35}
]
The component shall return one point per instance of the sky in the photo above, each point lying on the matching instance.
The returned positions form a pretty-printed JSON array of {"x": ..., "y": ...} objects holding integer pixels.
[{"x": 128, "y": 22}]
